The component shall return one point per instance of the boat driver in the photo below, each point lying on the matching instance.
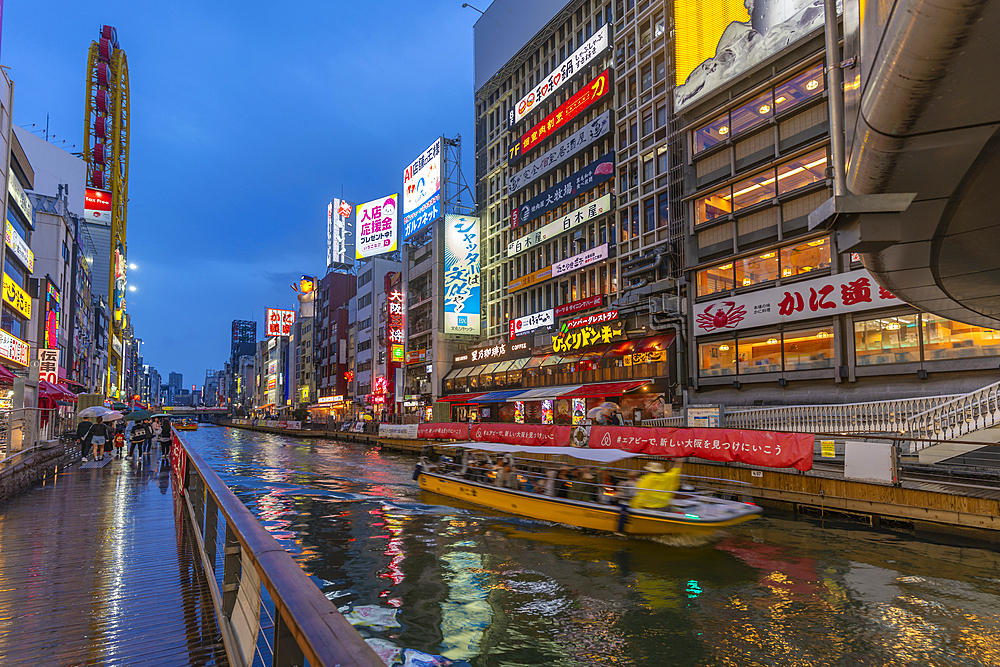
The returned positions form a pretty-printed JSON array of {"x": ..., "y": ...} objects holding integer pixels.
[{"x": 657, "y": 487}]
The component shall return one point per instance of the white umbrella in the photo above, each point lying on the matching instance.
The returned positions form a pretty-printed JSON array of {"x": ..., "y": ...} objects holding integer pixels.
[
  {"x": 94, "y": 411},
  {"x": 608, "y": 405},
  {"x": 595, "y": 413},
  {"x": 113, "y": 415}
]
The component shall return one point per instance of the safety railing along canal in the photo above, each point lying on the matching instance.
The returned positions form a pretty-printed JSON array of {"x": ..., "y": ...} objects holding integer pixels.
[{"x": 261, "y": 585}]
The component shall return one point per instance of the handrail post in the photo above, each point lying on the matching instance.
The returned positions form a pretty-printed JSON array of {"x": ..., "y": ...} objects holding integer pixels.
[
  {"x": 287, "y": 652},
  {"x": 211, "y": 528},
  {"x": 232, "y": 570}
]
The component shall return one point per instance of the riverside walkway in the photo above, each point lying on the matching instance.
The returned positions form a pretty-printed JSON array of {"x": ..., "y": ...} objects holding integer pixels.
[{"x": 100, "y": 568}]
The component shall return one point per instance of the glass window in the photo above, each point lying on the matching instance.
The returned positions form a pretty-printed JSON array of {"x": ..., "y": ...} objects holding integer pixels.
[
  {"x": 13, "y": 271},
  {"x": 757, "y": 269},
  {"x": 649, "y": 213},
  {"x": 15, "y": 222},
  {"x": 717, "y": 358},
  {"x": 753, "y": 112},
  {"x": 648, "y": 167},
  {"x": 12, "y": 323},
  {"x": 711, "y": 134},
  {"x": 760, "y": 354},
  {"x": 661, "y": 115},
  {"x": 754, "y": 190},
  {"x": 805, "y": 257},
  {"x": 716, "y": 205},
  {"x": 802, "y": 87},
  {"x": 716, "y": 279},
  {"x": 647, "y": 123},
  {"x": 947, "y": 339},
  {"x": 805, "y": 350},
  {"x": 807, "y": 170},
  {"x": 887, "y": 340}
]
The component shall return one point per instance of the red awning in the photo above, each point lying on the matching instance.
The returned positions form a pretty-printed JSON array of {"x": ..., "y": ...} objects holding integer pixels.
[
  {"x": 605, "y": 389},
  {"x": 460, "y": 398},
  {"x": 55, "y": 391},
  {"x": 653, "y": 343},
  {"x": 6, "y": 377}
]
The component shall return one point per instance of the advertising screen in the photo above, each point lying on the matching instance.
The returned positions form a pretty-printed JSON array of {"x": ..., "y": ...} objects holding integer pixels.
[
  {"x": 376, "y": 221},
  {"x": 561, "y": 152},
  {"x": 461, "y": 274},
  {"x": 120, "y": 280},
  {"x": 52, "y": 315},
  {"x": 579, "y": 59},
  {"x": 588, "y": 178},
  {"x": 422, "y": 191},
  {"x": 718, "y": 40},
  {"x": 279, "y": 322},
  {"x": 340, "y": 234},
  {"x": 97, "y": 205}
]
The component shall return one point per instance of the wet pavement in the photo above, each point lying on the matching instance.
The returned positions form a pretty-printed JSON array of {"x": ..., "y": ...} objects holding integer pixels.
[{"x": 97, "y": 571}]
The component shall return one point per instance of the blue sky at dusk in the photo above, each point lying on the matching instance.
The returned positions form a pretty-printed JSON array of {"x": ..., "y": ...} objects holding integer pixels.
[{"x": 247, "y": 118}]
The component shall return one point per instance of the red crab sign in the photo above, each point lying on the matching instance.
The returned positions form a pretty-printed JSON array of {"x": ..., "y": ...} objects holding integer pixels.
[{"x": 831, "y": 295}]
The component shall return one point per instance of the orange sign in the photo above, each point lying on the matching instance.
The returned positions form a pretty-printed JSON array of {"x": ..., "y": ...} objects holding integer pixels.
[{"x": 531, "y": 279}]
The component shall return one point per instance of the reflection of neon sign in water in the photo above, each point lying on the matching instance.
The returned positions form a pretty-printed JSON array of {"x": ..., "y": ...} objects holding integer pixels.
[{"x": 467, "y": 613}]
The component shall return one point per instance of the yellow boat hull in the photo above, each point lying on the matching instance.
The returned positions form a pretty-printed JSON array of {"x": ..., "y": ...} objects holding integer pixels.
[
  {"x": 187, "y": 427},
  {"x": 569, "y": 512}
]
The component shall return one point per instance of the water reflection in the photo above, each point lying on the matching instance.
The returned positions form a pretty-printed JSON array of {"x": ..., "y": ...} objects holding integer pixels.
[{"x": 421, "y": 572}]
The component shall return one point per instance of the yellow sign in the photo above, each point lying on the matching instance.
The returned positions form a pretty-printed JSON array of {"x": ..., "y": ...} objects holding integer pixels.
[
  {"x": 576, "y": 339},
  {"x": 645, "y": 357},
  {"x": 699, "y": 25},
  {"x": 827, "y": 449},
  {"x": 16, "y": 297},
  {"x": 529, "y": 279}
]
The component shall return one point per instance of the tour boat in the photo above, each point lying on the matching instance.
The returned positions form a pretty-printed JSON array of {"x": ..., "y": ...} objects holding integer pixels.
[
  {"x": 186, "y": 425},
  {"x": 694, "y": 512}
]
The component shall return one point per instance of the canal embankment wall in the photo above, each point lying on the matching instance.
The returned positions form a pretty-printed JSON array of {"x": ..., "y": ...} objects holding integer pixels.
[{"x": 968, "y": 511}]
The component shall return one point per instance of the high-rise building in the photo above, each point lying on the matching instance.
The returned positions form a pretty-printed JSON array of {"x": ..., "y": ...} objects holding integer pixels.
[
  {"x": 370, "y": 381},
  {"x": 330, "y": 343}
]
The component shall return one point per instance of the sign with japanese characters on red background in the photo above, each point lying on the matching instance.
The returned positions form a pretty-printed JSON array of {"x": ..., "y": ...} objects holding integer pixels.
[{"x": 831, "y": 295}]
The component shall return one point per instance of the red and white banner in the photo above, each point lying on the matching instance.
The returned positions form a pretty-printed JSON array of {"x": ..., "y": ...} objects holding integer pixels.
[
  {"x": 443, "y": 431},
  {"x": 521, "y": 434},
  {"x": 595, "y": 301},
  {"x": 592, "y": 319},
  {"x": 97, "y": 205},
  {"x": 760, "y": 448}
]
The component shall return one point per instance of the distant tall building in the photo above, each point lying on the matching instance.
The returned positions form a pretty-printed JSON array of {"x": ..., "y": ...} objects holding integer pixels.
[{"x": 176, "y": 381}]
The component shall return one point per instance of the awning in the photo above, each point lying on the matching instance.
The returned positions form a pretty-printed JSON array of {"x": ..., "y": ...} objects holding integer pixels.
[
  {"x": 596, "y": 455},
  {"x": 503, "y": 366},
  {"x": 6, "y": 377},
  {"x": 547, "y": 392},
  {"x": 453, "y": 373},
  {"x": 500, "y": 396},
  {"x": 466, "y": 371},
  {"x": 654, "y": 343},
  {"x": 605, "y": 389},
  {"x": 535, "y": 362},
  {"x": 552, "y": 360},
  {"x": 518, "y": 364},
  {"x": 460, "y": 398}
]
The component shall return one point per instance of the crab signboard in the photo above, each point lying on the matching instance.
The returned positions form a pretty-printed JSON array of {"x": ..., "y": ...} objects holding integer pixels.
[{"x": 831, "y": 295}]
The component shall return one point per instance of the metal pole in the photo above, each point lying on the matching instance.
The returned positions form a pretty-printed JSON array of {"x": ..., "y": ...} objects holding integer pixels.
[{"x": 835, "y": 92}]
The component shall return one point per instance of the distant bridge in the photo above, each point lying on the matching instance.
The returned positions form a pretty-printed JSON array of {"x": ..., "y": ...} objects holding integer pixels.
[{"x": 184, "y": 411}]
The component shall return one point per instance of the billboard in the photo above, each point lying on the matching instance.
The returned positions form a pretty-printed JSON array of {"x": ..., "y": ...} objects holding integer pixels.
[
  {"x": 48, "y": 365},
  {"x": 718, "y": 40},
  {"x": 19, "y": 247},
  {"x": 577, "y": 60},
  {"x": 585, "y": 258},
  {"x": 52, "y": 315},
  {"x": 599, "y": 171},
  {"x": 13, "y": 348},
  {"x": 339, "y": 234},
  {"x": 575, "y": 218},
  {"x": 16, "y": 297},
  {"x": 120, "y": 281},
  {"x": 595, "y": 301},
  {"x": 422, "y": 191},
  {"x": 562, "y": 116},
  {"x": 521, "y": 325},
  {"x": 561, "y": 152},
  {"x": 376, "y": 222},
  {"x": 279, "y": 322},
  {"x": 461, "y": 274},
  {"x": 97, "y": 205}
]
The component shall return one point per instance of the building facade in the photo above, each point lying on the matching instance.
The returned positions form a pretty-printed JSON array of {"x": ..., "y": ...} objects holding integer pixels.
[{"x": 370, "y": 345}]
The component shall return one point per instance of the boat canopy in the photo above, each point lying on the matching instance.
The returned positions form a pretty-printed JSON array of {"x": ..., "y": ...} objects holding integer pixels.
[{"x": 596, "y": 455}]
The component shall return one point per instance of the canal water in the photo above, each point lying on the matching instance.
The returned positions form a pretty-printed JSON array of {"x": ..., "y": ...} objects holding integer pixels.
[{"x": 417, "y": 571}]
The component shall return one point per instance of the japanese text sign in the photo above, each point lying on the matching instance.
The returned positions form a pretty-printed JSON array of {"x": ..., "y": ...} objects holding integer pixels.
[
  {"x": 16, "y": 297},
  {"x": 831, "y": 295},
  {"x": 577, "y": 60},
  {"x": 461, "y": 275},
  {"x": 53, "y": 316},
  {"x": 19, "y": 247},
  {"x": 279, "y": 322},
  {"x": 422, "y": 191},
  {"x": 585, "y": 258},
  {"x": 499, "y": 352},
  {"x": 521, "y": 434},
  {"x": 48, "y": 365},
  {"x": 443, "y": 431},
  {"x": 577, "y": 339},
  {"x": 13, "y": 348},
  {"x": 761, "y": 448},
  {"x": 395, "y": 325},
  {"x": 527, "y": 280},
  {"x": 580, "y": 216},
  {"x": 586, "y": 179},
  {"x": 20, "y": 197},
  {"x": 376, "y": 223},
  {"x": 97, "y": 205},
  {"x": 599, "y": 318},
  {"x": 561, "y": 152},
  {"x": 595, "y": 301},
  {"x": 562, "y": 116},
  {"x": 339, "y": 234},
  {"x": 521, "y": 325}
]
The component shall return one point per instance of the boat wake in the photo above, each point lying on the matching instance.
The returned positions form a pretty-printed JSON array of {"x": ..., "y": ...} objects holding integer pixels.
[{"x": 682, "y": 541}]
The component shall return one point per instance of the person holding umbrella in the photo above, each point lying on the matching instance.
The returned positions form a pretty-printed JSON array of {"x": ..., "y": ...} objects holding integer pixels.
[{"x": 164, "y": 436}]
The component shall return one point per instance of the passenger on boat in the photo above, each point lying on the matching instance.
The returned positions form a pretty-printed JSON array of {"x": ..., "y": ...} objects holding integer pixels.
[
  {"x": 657, "y": 488},
  {"x": 604, "y": 488},
  {"x": 582, "y": 487},
  {"x": 550, "y": 483},
  {"x": 563, "y": 484},
  {"x": 625, "y": 490}
]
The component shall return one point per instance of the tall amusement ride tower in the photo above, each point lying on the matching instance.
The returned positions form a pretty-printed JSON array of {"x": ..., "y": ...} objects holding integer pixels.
[{"x": 105, "y": 150}]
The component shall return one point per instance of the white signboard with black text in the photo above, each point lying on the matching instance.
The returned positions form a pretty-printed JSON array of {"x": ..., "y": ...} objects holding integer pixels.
[
  {"x": 521, "y": 325},
  {"x": 585, "y": 258}
]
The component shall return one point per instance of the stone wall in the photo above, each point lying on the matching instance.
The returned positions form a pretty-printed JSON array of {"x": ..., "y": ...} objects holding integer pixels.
[{"x": 27, "y": 472}]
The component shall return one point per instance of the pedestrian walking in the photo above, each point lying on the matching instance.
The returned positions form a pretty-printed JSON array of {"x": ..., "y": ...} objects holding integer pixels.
[
  {"x": 140, "y": 432},
  {"x": 98, "y": 437},
  {"x": 164, "y": 437},
  {"x": 82, "y": 439},
  {"x": 147, "y": 443}
]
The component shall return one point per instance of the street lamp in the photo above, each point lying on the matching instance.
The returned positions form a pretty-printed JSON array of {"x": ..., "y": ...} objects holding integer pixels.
[{"x": 465, "y": 4}]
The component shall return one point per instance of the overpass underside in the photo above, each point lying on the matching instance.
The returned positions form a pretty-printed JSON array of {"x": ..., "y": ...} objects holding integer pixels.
[{"x": 923, "y": 112}]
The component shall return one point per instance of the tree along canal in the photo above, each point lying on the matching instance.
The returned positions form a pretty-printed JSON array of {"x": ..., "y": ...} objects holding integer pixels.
[{"x": 419, "y": 571}]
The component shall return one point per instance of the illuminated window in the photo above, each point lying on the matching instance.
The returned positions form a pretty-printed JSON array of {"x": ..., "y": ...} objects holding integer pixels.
[
  {"x": 716, "y": 205},
  {"x": 947, "y": 339},
  {"x": 717, "y": 358},
  {"x": 806, "y": 350},
  {"x": 757, "y": 269},
  {"x": 711, "y": 134},
  {"x": 802, "y": 172},
  {"x": 760, "y": 354},
  {"x": 716, "y": 279},
  {"x": 805, "y": 257},
  {"x": 753, "y": 112},
  {"x": 753, "y": 190},
  {"x": 887, "y": 340},
  {"x": 808, "y": 84}
]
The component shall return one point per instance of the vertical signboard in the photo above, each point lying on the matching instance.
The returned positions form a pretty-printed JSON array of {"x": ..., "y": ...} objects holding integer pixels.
[
  {"x": 48, "y": 365},
  {"x": 461, "y": 275},
  {"x": 340, "y": 220},
  {"x": 376, "y": 222},
  {"x": 52, "y": 315},
  {"x": 119, "y": 295},
  {"x": 97, "y": 205},
  {"x": 279, "y": 322},
  {"x": 422, "y": 191}
]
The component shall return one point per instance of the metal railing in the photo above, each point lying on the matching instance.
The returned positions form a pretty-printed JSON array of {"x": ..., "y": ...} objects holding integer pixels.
[
  {"x": 303, "y": 625},
  {"x": 959, "y": 416},
  {"x": 26, "y": 428}
]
